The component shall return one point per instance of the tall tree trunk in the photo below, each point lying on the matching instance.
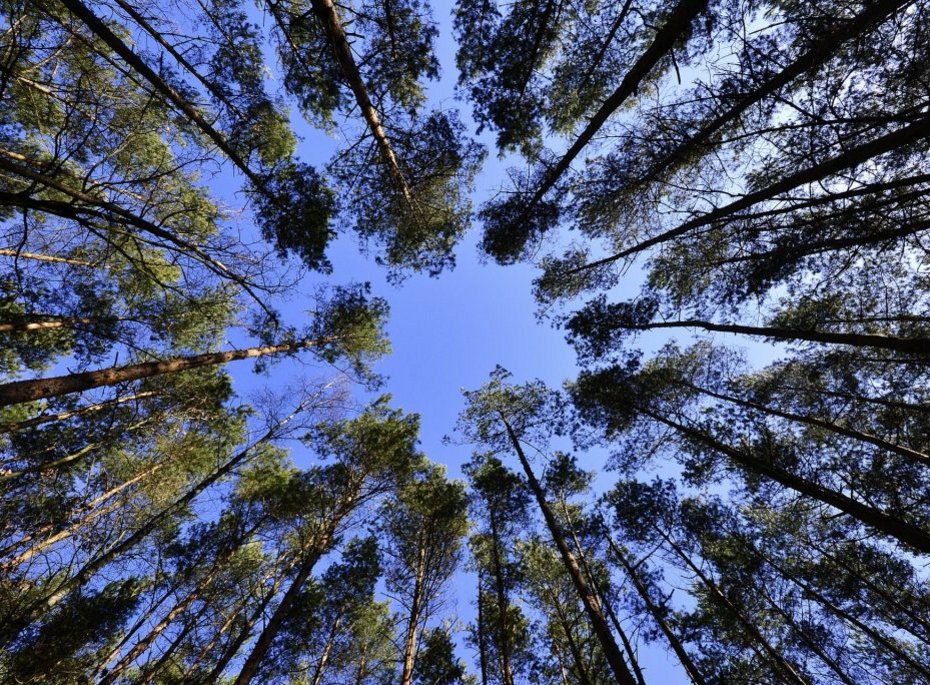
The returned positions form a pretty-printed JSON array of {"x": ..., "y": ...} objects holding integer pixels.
[
  {"x": 207, "y": 648},
  {"x": 577, "y": 658},
  {"x": 41, "y": 388},
  {"x": 781, "y": 663},
  {"x": 820, "y": 423},
  {"x": 588, "y": 598},
  {"x": 236, "y": 643},
  {"x": 916, "y": 345},
  {"x": 838, "y": 611},
  {"x": 18, "y": 426},
  {"x": 160, "y": 627},
  {"x": 503, "y": 604},
  {"x": 413, "y": 620},
  {"x": 126, "y": 431},
  {"x": 820, "y": 51},
  {"x": 91, "y": 511},
  {"x": 282, "y": 611},
  {"x": 105, "y": 34},
  {"x": 808, "y": 639},
  {"x": 691, "y": 669},
  {"x": 851, "y": 157},
  {"x": 599, "y": 594},
  {"x": 325, "y": 11},
  {"x": 49, "y": 323},
  {"x": 482, "y": 646},
  {"x": 677, "y": 23},
  {"x": 150, "y": 670},
  {"x": 321, "y": 665},
  {"x": 907, "y": 533},
  {"x": 181, "y": 607},
  {"x": 41, "y": 606},
  {"x": 43, "y": 258},
  {"x": 913, "y": 618}
]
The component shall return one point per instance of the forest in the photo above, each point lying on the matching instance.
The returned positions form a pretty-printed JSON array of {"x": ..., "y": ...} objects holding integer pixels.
[{"x": 211, "y": 213}]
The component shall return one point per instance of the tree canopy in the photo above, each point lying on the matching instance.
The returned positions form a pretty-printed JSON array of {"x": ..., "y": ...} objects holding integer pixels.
[{"x": 725, "y": 208}]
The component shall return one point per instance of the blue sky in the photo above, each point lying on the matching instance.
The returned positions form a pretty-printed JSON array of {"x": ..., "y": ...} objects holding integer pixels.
[{"x": 448, "y": 333}]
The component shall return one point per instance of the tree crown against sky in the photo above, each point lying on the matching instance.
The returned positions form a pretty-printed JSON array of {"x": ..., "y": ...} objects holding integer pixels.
[{"x": 721, "y": 207}]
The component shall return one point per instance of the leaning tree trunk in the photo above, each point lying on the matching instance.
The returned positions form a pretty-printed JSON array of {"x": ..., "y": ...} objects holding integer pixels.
[
  {"x": 329, "y": 19},
  {"x": 848, "y": 158},
  {"x": 17, "y": 392},
  {"x": 915, "y": 345},
  {"x": 694, "y": 674},
  {"x": 778, "y": 659},
  {"x": 45, "y": 604},
  {"x": 907, "y": 533},
  {"x": 50, "y": 417},
  {"x": 821, "y": 51},
  {"x": 482, "y": 647},
  {"x": 281, "y": 612},
  {"x": 596, "y": 617},
  {"x": 500, "y": 590},
  {"x": 677, "y": 23}
]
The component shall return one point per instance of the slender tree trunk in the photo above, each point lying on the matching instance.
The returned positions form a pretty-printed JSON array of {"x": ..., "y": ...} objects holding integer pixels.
[
  {"x": 416, "y": 607},
  {"x": 60, "y": 535},
  {"x": 236, "y": 643},
  {"x": 906, "y": 135},
  {"x": 327, "y": 650},
  {"x": 503, "y": 604},
  {"x": 779, "y": 660},
  {"x": 181, "y": 607},
  {"x": 563, "y": 672},
  {"x": 328, "y": 16},
  {"x": 624, "y": 638},
  {"x": 75, "y": 456},
  {"x": 104, "y": 663},
  {"x": 914, "y": 619},
  {"x": 151, "y": 670},
  {"x": 47, "y": 324},
  {"x": 917, "y": 345},
  {"x": 159, "y": 38},
  {"x": 677, "y": 23},
  {"x": 907, "y": 533},
  {"x": 482, "y": 647},
  {"x": 809, "y": 640},
  {"x": 601, "y": 598},
  {"x": 824, "y": 601},
  {"x": 821, "y": 51},
  {"x": 162, "y": 625},
  {"x": 820, "y": 423},
  {"x": 87, "y": 572},
  {"x": 43, "y": 258},
  {"x": 880, "y": 401},
  {"x": 283, "y": 610},
  {"x": 65, "y": 415},
  {"x": 227, "y": 624},
  {"x": 92, "y": 207},
  {"x": 41, "y": 388},
  {"x": 691, "y": 669},
  {"x": 577, "y": 657},
  {"x": 92, "y": 514},
  {"x": 598, "y": 623},
  {"x": 102, "y": 31}
]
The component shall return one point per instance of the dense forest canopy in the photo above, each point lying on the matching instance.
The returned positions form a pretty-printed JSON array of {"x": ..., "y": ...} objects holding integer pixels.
[{"x": 726, "y": 206}]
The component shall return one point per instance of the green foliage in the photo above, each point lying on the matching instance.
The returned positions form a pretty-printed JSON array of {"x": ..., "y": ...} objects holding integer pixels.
[
  {"x": 437, "y": 663},
  {"x": 293, "y": 210},
  {"x": 438, "y": 163},
  {"x": 71, "y": 641}
]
